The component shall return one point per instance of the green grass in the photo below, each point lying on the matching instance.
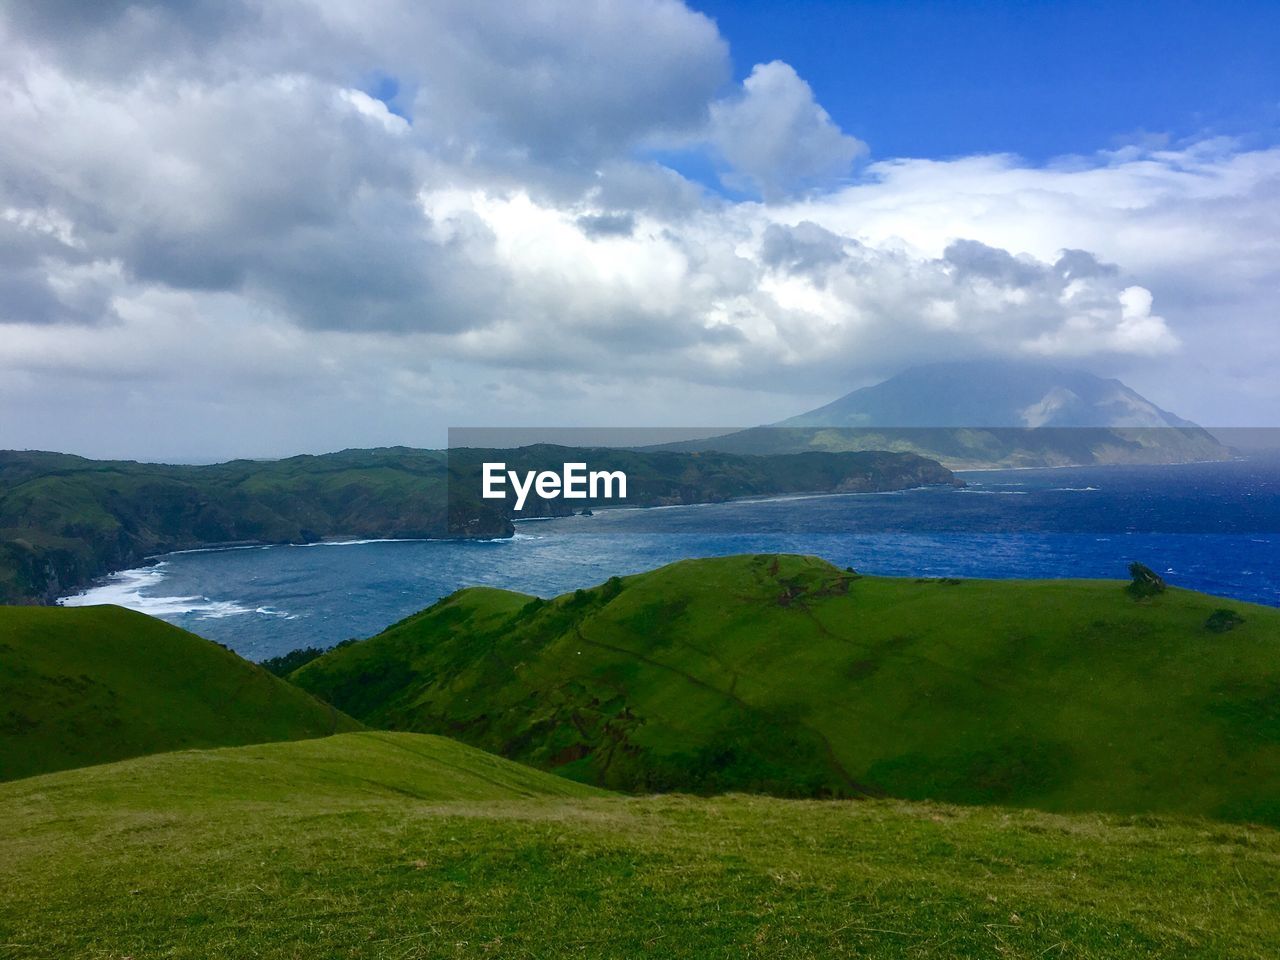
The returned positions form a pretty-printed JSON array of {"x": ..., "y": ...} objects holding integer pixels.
[
  {"x": 788, "y": 676},
  {"x": 85, "y": 685},
  {"x": 376, "y": 845}
]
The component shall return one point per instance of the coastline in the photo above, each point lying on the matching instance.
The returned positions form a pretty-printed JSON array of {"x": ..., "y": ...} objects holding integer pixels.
[
  {"x": 80, "y": 587},
  {"x": 1097, "y": 466}
]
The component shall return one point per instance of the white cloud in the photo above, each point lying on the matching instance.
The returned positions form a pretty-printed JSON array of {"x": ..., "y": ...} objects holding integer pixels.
[
  {"x": 231, "y": 216},
  {"x": 1194, "y": 226},
  {"x": 776, "y": 138}
]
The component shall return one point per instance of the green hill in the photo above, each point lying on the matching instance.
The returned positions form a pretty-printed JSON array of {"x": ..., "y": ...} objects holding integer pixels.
[
  {"x": 376, "y": 845},
  {"x": 88, "y": 685},
  {"x": 788, "y": 676}
]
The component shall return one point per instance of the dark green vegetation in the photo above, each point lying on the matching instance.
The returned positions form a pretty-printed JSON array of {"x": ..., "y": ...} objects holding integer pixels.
[
  {"x": 286, "y": 663},
  {"x": 1220, "y": 621},
  {"x": 65, "y": 520},
  {"x": 663, "y": 478},
  {"x": 88, "y": 685},
  {"x": 1145, "y": 582},
  {"x": 788, "y": 676},
  {"x": 395, "y": 846}
]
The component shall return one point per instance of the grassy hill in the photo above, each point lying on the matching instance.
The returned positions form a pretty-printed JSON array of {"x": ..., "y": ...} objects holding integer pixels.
[
  {"x": 377, "y": 845},
  {"x": 785, "y": 675},
  {"x": 88, "y": 685}
]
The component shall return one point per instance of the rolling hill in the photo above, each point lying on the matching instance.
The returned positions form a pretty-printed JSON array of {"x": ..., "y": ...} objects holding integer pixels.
[
  {"x": 785, "y": 675},
  {"x": 377, "y": 845},
  {"x": 88, "y": 685}
]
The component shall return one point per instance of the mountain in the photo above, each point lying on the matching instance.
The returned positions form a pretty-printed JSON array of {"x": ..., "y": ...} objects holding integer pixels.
[
  {"x": 88, "y": 685},
  {"x": 986, "y": 414},
  {"x": 991, "y": 393},
  {"x": 786, "y": 675}
]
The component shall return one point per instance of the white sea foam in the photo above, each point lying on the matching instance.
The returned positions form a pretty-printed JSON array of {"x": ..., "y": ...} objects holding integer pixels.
[
  {"x": 1074, "y": 489},
  {"x": 356, "y": 543},
  {"x": 269, "y": 612},
  {"x": 125, "y": 589},
  {"x": 606, "y": 510},
  {"x": 243, "y": 546}
]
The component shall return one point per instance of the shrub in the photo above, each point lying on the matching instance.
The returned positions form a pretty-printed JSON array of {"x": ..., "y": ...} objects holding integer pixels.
[
  {"x": 1146, "y": 582},
  {"x": 1222, "y": 620}
]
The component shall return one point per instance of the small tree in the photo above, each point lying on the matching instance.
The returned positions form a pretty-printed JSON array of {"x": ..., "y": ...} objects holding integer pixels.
[{"x": 1146, "y": 582}]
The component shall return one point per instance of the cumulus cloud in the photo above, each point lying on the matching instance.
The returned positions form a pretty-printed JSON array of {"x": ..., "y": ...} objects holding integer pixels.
[
  {"x": 805, "y": 248},
  {"x": 776, "y": 138},
  {"x": 440, "y": 211},
  {"x": 1192, "y": 225},
  {"x": 556, "y": 80},
  {"x": 607, "y": 224}
]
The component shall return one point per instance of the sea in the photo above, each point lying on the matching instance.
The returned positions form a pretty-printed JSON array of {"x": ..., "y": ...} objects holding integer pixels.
[{"x": 1213, "y": 527}]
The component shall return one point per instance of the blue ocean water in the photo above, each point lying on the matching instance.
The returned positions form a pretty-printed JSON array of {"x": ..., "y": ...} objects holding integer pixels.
[{"x": 1210, "y": 527}]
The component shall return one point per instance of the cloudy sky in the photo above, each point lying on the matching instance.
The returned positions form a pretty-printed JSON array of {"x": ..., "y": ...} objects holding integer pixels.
[{"x": 262, "y": 227}]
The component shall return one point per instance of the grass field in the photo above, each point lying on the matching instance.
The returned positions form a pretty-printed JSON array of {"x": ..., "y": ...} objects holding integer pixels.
[
  {"x": 87, "y": 685},
  {"x": 758, "y": 673},
  {"x": 375, "y": 845},
  {"x": 788, "y": 676}
]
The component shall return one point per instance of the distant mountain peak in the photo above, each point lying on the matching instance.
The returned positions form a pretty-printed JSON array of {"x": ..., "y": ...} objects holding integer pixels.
[{"x": 991, "y": 393}]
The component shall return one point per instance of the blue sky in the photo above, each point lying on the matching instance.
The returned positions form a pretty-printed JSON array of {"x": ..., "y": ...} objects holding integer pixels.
[{"x": 924, "y": 78}]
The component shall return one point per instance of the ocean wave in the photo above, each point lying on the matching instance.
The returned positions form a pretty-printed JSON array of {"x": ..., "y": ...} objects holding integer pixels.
[
  {"x": 357, "y": 543},
  {"x": 732, "y": 502},
  {"x": 241, "y": 546},
  {"x": 1074, "y": 489},
  {"x": 124, "y": 589},
  {"x": 270, "y": 612}
]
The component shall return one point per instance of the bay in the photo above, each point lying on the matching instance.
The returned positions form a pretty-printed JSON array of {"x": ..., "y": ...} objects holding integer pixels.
[{"x": 1210, "y": 527}]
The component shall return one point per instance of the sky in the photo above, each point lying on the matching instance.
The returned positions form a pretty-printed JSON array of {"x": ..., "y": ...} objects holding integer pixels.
[{"x": 248, "y": 228}]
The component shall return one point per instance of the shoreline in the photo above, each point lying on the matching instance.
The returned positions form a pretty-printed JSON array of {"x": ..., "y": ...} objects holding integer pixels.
[
  {"x": 151, "y": 560},
  {"x": 1095, "y": 466}
]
